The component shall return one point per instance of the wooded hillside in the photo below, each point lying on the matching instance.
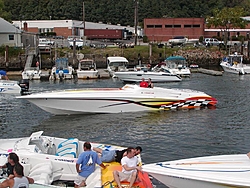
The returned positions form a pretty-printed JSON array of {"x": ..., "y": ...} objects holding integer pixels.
[{"x": 112, "y": 11}]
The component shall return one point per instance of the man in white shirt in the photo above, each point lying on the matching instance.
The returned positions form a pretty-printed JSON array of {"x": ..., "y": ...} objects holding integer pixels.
[{"x": 129, "y": 169}]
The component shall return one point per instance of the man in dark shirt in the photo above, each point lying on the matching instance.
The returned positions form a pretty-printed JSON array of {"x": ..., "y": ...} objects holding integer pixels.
[{"x": 115, "y": 155}]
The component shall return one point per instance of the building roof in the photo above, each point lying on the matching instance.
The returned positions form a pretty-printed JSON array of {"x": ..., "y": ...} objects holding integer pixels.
[
  {"x": 70, "y": 24},
  {"x": 7, "y": 27}
]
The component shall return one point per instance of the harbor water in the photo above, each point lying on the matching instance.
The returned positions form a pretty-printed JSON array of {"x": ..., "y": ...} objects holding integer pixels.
[{"x": 163, "y": 135}]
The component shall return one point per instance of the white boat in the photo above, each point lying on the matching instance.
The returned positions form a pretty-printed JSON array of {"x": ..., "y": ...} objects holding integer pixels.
[
  {"x": 14, "y": 87},
  {"x": 87, "y": 69},
  {"x": 31, "y": 74},
  {"x": 115, "y": 64},
  {"x": 207, "y": 172},
  {"x": 234, "y": 64},
  {"x": 178, "y": 65},
  {"x": 129, "y": 98},
  {"x": 9, "y": 86},
  {"x": 61, "y": 70},
  {"x": 49, "y": 159},
  {"x": 158, "y": 74}
]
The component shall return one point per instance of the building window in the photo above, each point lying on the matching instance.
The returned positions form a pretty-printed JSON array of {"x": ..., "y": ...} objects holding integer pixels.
[
  {"x": 187, "y": 26},
  {"x": 177, "y": 26},
  {"x": 168, "y": 26},
  {"x": 11, "y": 37},
  {"x": 158, "y": 26},
  {"x": 150, "y": 26},
  {"x": 197, "y": 26}
]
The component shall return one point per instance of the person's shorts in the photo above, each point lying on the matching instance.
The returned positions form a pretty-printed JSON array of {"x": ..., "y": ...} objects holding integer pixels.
[
  {"x": 124, "y": 177},
  {"x": 108, "y": 156},
  {"x": 79, "y": 179}
]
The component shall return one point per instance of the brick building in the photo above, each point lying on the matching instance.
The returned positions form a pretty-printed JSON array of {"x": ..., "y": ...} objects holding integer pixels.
[{"x": 163, "y": 29}]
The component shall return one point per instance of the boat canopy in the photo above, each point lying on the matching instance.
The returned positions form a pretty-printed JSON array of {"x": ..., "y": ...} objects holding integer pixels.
[{"x": 175, "y": 58}]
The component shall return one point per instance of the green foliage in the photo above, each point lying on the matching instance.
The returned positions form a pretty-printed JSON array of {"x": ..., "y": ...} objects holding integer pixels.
[
  {"x": 112, "y": 11},
  {"x": 13, "y": 51}
]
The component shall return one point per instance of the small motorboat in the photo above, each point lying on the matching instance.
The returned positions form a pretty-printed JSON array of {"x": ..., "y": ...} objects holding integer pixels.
[
  {"x": 219, "y": 171},
  {"x": 61, "y": 70},
  {"x": 87, "y": 69},
  {"x": 50, "y": 160},
  {"x": 115, "y": 64},
  {"x": 163, "y": 74},
  {"x": 129, "y": 98},
  {"x": 234, "y": 64},
  {"x": 178, "y": 65}
]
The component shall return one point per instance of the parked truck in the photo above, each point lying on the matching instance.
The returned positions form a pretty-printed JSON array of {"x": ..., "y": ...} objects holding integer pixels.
[{"x": 111, "y": 34}]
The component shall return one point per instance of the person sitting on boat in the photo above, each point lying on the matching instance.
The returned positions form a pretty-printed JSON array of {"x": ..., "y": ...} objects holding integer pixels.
[
  {"x": 115, "y": 155},
  {"x": 143, "y": 83},
  {"x": 150, "y": 84},
  {"x": 85, "y": 165},
  {"x": 3, "y": 75},
  {"x": 12, "y": 160},
  {"x": 19, "y": 180},
  {"x": 130, "y": 169}
]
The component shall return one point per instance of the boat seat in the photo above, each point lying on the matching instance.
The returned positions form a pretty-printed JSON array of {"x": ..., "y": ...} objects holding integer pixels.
[{"x": 68, "y": 148}]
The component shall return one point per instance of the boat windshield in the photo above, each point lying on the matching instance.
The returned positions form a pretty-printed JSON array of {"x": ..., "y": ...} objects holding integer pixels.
[
  {"x": 118, "y": 64},
  {"x": 62, "y": 63},
  {"x": 235, "y": 59}
]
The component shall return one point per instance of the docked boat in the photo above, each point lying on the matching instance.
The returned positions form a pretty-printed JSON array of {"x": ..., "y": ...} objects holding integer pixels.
[
  {"x": 31, "y": 74},
  {"x": 115, "y": 64},
  {"x": 234, "y": 64},
  {"x": 157, "y": 74},
  {"x": 87, "y": 69},
  {"x": 219, "y": 171},
  {"x": 49, "y": 159},
  {"x": 61, "y": 70},
  {"x": 178, "y": 65},
  {"x": 129, "y": 98}
]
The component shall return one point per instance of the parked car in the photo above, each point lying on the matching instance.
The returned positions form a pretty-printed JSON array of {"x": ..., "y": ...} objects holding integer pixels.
[
  {"x": 78, "y": 43},
  {"x": 212, "y": 42},
  {"x": 178, "y": 40}
]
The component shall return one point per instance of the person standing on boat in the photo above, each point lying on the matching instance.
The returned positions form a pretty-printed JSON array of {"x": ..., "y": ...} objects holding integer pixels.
[
  {"x": 130, "y": 169},
  {"x": 143, "y": 83},
  {"x": 19, "y": 180},
  {"x": 12, "y": 160},
  {"x": 150, "y": 84},
  {"x": 85, "y": 164}
]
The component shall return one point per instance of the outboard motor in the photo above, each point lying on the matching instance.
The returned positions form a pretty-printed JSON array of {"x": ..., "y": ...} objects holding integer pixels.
[
  {"x": 61, "y": 75},
  {"x": 24, "y": 84}
]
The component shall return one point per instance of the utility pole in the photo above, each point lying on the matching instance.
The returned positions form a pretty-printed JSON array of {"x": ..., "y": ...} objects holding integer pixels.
[
  {"x": 136, "y": 20},
  {"x": 83, "y": 18}
]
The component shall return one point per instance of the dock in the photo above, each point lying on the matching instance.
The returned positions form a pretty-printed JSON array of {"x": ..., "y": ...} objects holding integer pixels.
[{"x": 210, "y": 72}]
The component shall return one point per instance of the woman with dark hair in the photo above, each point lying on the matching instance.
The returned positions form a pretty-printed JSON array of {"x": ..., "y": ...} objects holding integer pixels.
[
  {"x": 12, "y": 160},
  {"x": 18, "y": 180}
]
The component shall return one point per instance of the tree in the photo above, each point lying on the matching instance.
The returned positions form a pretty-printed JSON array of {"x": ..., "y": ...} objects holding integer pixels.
[{"x": 226, "y": 19}]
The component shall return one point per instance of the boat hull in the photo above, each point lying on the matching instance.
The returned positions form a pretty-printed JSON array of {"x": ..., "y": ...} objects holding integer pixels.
[
  {"x": 206, "y": 172},
  {"x": 130, "y": 98},
  {"x": 31, "y": 74},
  {"x": 8, "y": 86},
  {"x": 88, "y": 74},
  {"x": 154, "y": 76}
]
